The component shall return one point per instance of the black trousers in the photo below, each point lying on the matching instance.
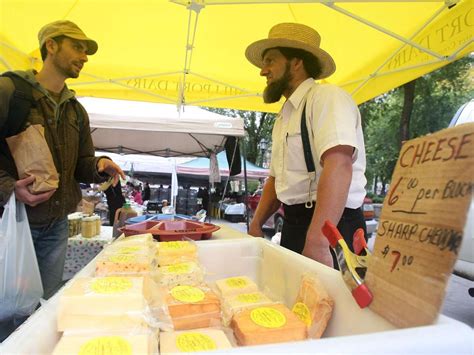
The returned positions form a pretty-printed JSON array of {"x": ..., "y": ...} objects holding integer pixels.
[{"x": 298, "y": 218}]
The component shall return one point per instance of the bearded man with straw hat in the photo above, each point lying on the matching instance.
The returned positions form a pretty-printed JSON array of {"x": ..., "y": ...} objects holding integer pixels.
[{"x": 318, "y": 154}]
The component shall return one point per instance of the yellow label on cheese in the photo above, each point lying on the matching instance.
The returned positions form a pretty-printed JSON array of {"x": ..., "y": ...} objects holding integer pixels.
[
  {"x": 127, "y": 250},
  {"x": 181, "y": 268},
  {"x": 187, "y": 294},
  {"x": 268, "y": 317},
  {"x": 302, "y": 312},
  {"x": 236, "y": 282},
  {"x": 249, "y": 298},
  {"x": 110, "y": 345},
  {"x": 173, "y": 245},
  {"x": 122, "y": 258},
  {"x": 190, "y": 342},
  {"x": 111, "y": 284}
]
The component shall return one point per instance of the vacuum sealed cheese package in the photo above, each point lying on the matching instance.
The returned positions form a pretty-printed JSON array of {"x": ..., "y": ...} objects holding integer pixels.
[
  {"x": 196, "y": 340},
  {"x": 235, "y": 285},
  {"x": 176, "y": 252},
  {"x": 313, "y": 305},
  {"x": 185, "y": 273},
  {"x": 236, "y": 303}
]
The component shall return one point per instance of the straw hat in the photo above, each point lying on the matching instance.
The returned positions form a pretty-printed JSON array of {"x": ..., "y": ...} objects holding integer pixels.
[{"x": 292, "y": 35}]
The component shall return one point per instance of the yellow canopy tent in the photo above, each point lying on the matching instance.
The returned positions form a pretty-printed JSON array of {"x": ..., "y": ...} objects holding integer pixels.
[{"x": 192, "y": 51}]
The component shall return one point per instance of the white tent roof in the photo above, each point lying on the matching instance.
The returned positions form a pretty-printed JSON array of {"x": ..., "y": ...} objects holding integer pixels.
[{"x": 158, "y": 129}]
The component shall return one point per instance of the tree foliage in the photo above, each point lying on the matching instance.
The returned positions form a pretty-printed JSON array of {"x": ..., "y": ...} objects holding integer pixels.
[
  {"x": 437, "y": 96},
  {"x": 257, "y": 125}
]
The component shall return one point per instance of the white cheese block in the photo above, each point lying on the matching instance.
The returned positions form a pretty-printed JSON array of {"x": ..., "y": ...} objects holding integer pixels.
[
  {"x": 235, "y": 285},
  {"x": 106, "y": 344},
  {"x": 193, "y": 340}
]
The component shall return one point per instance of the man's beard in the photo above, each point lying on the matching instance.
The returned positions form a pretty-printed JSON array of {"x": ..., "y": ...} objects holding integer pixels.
[{"x": 274, "y": 91}]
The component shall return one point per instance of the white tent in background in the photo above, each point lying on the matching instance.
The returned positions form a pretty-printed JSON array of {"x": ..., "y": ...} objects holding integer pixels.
[{"x": 132, "y": 127}]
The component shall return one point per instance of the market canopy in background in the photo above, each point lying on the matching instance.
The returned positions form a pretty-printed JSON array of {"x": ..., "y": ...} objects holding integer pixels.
[
  {"x": 132, "y": 127},
  {"x": 200, "y": 166},
  {"x": 192, "y": 51}
]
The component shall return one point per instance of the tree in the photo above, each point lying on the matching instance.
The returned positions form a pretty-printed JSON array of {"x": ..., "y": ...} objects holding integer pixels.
[
  {"x": 417, "y": 108},
  {"x": 257, "y": 125}
]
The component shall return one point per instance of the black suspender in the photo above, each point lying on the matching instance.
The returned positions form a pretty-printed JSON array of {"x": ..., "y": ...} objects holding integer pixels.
[{"x": 308, "y": 155}]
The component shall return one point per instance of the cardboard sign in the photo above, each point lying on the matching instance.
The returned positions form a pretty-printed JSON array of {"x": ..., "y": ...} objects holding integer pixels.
[{"x": 421, "y": 226}]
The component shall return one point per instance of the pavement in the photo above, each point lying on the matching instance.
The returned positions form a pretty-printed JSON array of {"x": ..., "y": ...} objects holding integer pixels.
[{"x": 458, "y": 303}]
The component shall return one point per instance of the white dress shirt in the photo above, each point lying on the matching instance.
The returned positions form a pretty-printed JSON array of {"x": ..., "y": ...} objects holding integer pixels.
[{"x": 335, "y": 120}]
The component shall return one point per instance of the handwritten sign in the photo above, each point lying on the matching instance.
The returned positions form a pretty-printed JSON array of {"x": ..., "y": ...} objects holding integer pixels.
[{"x": 421, "y": 227}]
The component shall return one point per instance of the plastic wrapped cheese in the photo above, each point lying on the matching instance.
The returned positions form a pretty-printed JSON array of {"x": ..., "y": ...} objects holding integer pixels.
[
  {"x": 193, "y": 341},
  {"x": 187, "y": 273},
  {"x": 268, "y": 324},
  {"x": 191, "y": 307},
  {"x": 235, "y": 285},
  {"x": 237, "y": 303},
  {"x": 176, "y": 252},
  {"x": 129, "y": 264},
  {"x": 109, "y": 343},
  {"x": 313, "y": 305},
  {"x": 104, "y": 302}
]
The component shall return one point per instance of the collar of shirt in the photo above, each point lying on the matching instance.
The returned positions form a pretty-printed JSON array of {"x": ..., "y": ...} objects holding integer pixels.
[{"x": 298, "y": 95}]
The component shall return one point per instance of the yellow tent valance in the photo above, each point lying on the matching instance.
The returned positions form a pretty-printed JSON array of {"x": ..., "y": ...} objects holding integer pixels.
[{"x": 192, "y": 52}]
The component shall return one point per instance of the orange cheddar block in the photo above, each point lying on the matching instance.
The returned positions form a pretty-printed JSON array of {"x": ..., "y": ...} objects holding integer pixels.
[
  {"x": 266, "y": 325},
  {"x": 313, "y": 305},
  {"x": 193, "y": 307}
]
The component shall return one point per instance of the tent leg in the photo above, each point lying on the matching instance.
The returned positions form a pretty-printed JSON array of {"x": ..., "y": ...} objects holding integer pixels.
[{"x": 246, "y": 194}]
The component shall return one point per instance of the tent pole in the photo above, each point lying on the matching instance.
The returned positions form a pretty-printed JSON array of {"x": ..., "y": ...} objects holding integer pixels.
[{"x": 244, "y": 153}]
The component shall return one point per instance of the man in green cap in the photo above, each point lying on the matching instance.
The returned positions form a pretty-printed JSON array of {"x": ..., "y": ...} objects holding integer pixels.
[{"x": 64, "y": 50}]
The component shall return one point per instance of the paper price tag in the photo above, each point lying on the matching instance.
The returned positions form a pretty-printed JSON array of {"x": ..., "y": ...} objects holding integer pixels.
[
  {"x": 111, "y": 345},
  {"x": 192, "y": 342},
  {"x": 421, "y": 227}
]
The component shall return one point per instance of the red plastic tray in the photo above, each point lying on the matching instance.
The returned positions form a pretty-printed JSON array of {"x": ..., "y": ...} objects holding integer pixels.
[{"x": 172, "y": 230}]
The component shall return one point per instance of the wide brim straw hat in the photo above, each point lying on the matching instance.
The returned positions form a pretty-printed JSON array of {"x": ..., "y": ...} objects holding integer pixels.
[{"x": 292, "y": 35}]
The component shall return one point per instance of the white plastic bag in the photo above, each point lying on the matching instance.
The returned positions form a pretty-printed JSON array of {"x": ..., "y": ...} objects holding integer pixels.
[{"x": 20, "y": 280}]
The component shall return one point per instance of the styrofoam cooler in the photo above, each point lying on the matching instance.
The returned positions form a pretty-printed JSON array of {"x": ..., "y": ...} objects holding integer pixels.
[{"x": 278, "y": 271}]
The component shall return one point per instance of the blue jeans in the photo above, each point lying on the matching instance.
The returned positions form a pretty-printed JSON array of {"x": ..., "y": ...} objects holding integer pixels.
[{"x": 50, "y": 245}]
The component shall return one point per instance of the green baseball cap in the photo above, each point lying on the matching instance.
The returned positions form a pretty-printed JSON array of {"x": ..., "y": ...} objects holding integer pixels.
[{"x": 68, "y": 29}]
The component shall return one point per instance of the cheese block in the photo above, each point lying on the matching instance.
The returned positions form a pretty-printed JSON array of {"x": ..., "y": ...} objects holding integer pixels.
[
  {"x": 140, "y": 238},
  {"x": 124, "y": 264},
  {"x": 193, "y": 307},
  {"x": 132, "y": 248},
  {"x": 313, "y": 305},
  {"x": 237, "y": 303},
  {"x": 130, "y": 322},
  {"x": 176, "y": 252},
  {"x": 192, "y": 341},
  {"x": 110, "y": 344},
  {"x": 235, "y": 285},
  {"x": 103, "y": 296},
  {"x": 187, "y": 273},
  {"x": 268, "y": 324}
]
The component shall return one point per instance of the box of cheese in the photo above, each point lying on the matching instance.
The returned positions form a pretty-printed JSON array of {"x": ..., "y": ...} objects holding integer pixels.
[
  {"x": 114, "y": 302},
  {"x": 193, "y": 341},
  {"x": 106, "y": 344},
  {"x": 191, "y": 307},
  {"x": 267, "y": 324}
]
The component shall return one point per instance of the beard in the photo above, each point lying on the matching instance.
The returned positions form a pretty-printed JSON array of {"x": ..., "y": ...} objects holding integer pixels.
[
  {"x": 274, "y": 91},
  {"x": 66, "y": 68}
]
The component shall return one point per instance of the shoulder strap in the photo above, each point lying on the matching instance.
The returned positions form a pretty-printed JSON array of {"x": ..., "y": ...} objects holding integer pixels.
[
  {"x": 20, "y": 105},
  {"x": 79, "y": 113}
]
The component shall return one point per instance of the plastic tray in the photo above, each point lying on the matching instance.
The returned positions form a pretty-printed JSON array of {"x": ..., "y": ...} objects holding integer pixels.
[{"x": 172, "y": 230}]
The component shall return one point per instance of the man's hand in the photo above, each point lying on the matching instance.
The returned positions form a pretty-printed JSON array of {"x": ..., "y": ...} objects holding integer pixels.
[
  {"x": 319, "y": 252},
  {"x": 24, "y": 195},
  {"x": 110, "y": 168},
  {"x": 255, "y": 230}
]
